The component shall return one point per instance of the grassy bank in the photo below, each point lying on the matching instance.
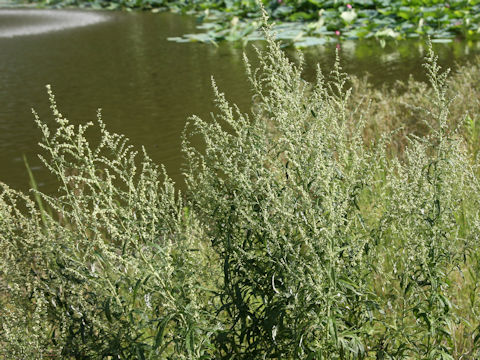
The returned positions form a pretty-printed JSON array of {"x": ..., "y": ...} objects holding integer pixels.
[
  {"x": 403, "y": 106},
  {"x": 308, "y": 230},
  {"x": 313, "y": 22}
]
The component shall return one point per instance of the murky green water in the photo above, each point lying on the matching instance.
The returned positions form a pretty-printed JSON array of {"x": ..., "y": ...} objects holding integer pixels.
[{"x": 146, "y": 86}]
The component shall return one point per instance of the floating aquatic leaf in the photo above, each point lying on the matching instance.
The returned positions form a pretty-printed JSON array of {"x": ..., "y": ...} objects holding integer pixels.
[
  {"x": 207, "y": 26},
  {"x": 301, "y": 16},
  {"x": 255, "y": 36},
  {"x": 310, "y": 41},
  {"x": 178, "y": 39},
  {"x": 359, "y": 19},
  {"x": 441, "y": 41},
  {"x": 282, "y": 11},
  {"x": 289, "y": 34}
]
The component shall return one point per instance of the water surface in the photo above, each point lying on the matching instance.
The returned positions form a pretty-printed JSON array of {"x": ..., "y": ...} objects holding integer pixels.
[
  {"x": 25, "y": 22},
  {"x": 147, "y": 86}
]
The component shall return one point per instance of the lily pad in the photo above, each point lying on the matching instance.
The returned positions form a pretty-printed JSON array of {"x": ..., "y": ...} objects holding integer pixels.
[
  {"x": 310, "y": 41},
  {"x": 441, "y": 41}
]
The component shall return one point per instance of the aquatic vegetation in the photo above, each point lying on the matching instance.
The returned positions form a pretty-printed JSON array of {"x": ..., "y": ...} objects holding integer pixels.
[
  {"x": 300, "y": 235},
  {"x": 310, "y": 22}
]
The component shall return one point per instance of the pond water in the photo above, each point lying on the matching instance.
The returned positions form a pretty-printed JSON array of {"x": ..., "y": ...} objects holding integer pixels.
[{"x": 147, "y": 86}]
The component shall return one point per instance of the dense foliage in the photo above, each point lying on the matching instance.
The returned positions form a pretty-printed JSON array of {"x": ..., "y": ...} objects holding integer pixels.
[
  {"x": 313, "y": 22},
  {"x": 300, "y": 235}
]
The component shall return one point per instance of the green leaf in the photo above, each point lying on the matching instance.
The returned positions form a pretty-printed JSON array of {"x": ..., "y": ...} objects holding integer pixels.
[
  {"x": 349, "y": 285},
  {"x": 310, "y": 41},
  {"x": 107, "y": 310},
  {"x": 332, "y": 329},
  {"x": 441, "y": 41},
  {"x": 190, "y": 341},
  {"x": 140, "y": 352},
  {"x": 161, "y": 329}
]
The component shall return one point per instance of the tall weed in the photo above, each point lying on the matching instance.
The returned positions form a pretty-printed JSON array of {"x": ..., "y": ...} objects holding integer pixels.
[
  {"x": 300, "y": 235},
  {"x": 118, "y": 271}
]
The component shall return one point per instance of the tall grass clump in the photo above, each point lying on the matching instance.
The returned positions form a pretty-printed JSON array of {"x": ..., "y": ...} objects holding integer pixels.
[
  {"x": 279, "y": 194},
  {"x": 404, "y": 105},
  {"x": 299, "y": 234},
  {"x": 116, "y": 272}
]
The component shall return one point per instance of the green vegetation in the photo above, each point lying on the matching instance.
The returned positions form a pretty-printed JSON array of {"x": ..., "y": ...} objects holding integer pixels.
[
  {"x": 305, "y": 231},
  {"x": 313, "y": 22}
]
